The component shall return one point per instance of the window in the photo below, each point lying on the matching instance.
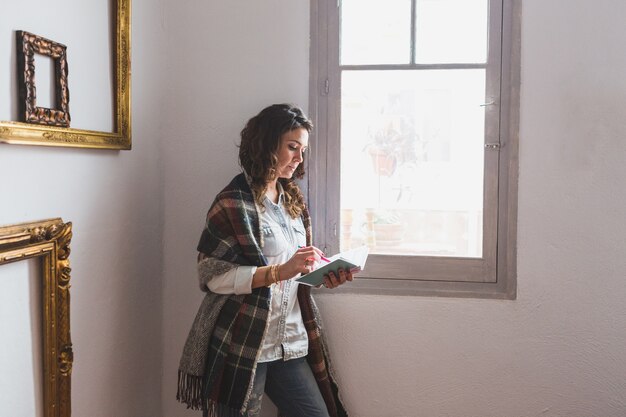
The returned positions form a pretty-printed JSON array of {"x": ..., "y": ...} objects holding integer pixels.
[{"x": 415, "y": 148}]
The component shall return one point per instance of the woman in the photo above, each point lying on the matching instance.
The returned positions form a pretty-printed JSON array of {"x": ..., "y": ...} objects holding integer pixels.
[{"x": 257, "y": 329}]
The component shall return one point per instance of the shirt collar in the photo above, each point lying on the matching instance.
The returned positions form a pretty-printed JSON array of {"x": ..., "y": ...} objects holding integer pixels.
[{"x": 281, "y": 193}]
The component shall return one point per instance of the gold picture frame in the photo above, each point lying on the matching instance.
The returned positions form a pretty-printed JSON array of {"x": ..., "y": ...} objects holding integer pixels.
[
  {"x": 33, "y": 134},
  {"x": 49, "y": 241}
]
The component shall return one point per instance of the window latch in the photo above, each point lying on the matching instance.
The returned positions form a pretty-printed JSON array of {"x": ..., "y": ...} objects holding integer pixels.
[
  {"x": 492, "y": 146},
  {"x": 326, "y": 87}
]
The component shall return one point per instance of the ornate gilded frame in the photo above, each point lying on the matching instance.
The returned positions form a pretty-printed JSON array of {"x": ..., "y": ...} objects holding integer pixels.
[
  {"x": 49, "y": 241},
  {"x": 27, "y": 45},
  {"x": 32, "y": 134}
]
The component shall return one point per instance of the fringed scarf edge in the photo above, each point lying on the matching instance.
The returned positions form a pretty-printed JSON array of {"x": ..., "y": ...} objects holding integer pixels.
[{"x": 189, "y": 392}]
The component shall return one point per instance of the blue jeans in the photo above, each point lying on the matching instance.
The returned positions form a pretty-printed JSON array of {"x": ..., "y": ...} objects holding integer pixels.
[{"x": 291, "y": 386}]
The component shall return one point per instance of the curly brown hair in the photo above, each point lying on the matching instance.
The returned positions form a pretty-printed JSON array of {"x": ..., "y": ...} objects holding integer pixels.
[{"x": 258, "y": 152}]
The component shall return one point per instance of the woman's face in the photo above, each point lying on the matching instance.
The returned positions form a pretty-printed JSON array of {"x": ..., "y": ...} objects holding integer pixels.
[{"x": 290, "y": 151}]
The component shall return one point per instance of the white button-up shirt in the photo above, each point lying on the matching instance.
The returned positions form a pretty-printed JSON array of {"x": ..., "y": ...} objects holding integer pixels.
[{"x": 285, "y": 337}]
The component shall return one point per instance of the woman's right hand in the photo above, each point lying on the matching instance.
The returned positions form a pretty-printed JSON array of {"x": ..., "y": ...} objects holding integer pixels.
[{"x": 300, "y": 263}]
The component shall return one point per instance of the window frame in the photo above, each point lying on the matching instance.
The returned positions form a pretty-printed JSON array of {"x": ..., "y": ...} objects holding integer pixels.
[{"x": 493, "y": 277}]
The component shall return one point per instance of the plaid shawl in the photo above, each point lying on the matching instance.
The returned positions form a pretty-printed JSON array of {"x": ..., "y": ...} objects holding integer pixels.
[{"x": 219, "y": 359}]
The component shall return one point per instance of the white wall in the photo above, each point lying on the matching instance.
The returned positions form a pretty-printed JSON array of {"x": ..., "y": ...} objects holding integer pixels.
[
  {"x": 559, "y": 349},
  {"x": 21, "y": 323},
  {"x": 113, "y": 200}
]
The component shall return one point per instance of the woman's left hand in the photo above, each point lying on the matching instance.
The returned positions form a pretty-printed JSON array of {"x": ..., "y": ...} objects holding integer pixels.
[{"x": 335, "y": 279}]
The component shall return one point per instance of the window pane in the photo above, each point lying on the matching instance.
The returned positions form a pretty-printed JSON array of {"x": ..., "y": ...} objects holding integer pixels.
[
  {"x": 412, "y": 146},
  {"x": 375, "y": 32},
  {"x": 451, "y": 31}
]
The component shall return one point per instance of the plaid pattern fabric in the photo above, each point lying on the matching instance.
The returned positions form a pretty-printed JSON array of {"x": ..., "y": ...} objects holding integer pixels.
[
  {"x": 232, "y": 231},
  {"x": 219, "y": 358}
]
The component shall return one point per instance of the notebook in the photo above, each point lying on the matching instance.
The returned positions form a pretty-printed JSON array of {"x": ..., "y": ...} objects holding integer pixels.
[{"x": 347, "y": 260}]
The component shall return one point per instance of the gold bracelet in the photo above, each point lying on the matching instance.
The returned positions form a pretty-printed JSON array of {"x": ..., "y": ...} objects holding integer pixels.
[
  {"x": 275, "y": 273},
  {"x": 267, "y": 276}
]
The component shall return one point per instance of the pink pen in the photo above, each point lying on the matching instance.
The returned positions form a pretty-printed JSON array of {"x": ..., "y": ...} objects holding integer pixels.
[{"x": 323, "y": 258}]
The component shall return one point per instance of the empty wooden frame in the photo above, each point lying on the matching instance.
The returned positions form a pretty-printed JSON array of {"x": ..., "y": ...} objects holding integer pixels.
[{"x": 29, "y": 44}]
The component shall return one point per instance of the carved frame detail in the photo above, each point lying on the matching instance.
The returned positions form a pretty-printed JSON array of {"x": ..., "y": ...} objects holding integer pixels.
[
  {"x": 33, "y": 134},
  {"x": 27, "y": 46},
  {"x": 48, "y": 240}
]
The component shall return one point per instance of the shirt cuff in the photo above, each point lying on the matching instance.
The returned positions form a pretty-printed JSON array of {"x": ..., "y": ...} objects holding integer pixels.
[
  {"x": 235, "y": 281},
  {"x": 243, "y": 279}
]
